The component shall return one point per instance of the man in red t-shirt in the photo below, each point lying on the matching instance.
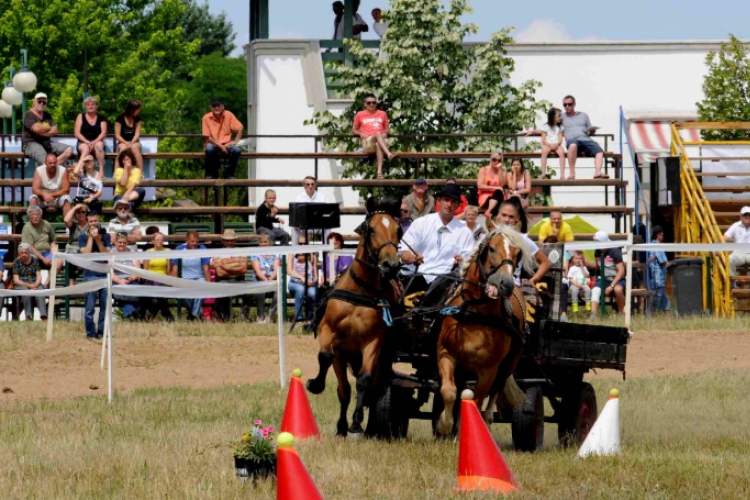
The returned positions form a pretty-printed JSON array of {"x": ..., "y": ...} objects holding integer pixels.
[{"x": 371, "y": 125}]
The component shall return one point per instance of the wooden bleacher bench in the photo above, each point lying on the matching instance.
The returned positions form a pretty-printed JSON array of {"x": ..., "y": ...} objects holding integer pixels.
[{"x": 741, "y": 292}]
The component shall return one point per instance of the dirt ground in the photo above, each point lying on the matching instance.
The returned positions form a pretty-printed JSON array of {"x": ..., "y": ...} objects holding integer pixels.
[{"x": 68, "y": 368}]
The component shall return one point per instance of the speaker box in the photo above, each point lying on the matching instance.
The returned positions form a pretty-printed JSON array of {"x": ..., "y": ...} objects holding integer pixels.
[
  {"x": 668, "y": 183},
  {"x": 314, "y": 215}
]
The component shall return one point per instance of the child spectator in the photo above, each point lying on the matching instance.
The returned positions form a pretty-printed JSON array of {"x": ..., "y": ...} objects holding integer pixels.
[
  {"x": 265, "y": 218},
  {"x": 208, "y": 308},
  {"x": 578, "y": 276},
  {"x": 266, "y": 268},
  {"x": 552, "y": 139}
]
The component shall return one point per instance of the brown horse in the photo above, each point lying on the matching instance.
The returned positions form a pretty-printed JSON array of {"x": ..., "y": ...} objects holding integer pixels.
[
  {"x": 481, "y": 337},
  {"x": 352, "y": 331}
]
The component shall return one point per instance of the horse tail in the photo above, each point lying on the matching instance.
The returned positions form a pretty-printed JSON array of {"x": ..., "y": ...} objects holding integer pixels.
[{"x": 512, "y": 395}]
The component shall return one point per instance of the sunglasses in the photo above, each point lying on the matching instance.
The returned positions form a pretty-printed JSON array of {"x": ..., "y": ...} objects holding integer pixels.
[
  {"x": 370, "y": 102},
  {"x": 122, "y": 209},
  {"x": 122, "y": 233},
  {"x": 495, "y": 160},
  {"x": 558, "y": 116},
  {"x": 44, "y": 103},
  {"x": 569, "y": 104},
  {"x": 310, "y": 184}
]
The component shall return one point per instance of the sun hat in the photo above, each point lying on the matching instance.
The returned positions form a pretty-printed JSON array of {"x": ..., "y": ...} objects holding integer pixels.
[{"x": 228, "y": 234}]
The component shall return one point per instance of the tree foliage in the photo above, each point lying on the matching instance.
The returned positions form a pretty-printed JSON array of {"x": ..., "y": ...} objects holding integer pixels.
[
  {"x": 215, "y": 33},
  {"x": 430, "y": 82},
  {"x": 726, "y": 90}
]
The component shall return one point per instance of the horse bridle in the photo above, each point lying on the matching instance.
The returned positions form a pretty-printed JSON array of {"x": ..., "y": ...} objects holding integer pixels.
[
  {"x": 485, "y": 274},
  {"x": 373, "y": 255}
]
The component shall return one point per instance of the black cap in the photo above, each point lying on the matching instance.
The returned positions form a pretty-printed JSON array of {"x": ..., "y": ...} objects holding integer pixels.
[
  {"x": 216, "y": 101},
  {"x": 451, "y": 191}
]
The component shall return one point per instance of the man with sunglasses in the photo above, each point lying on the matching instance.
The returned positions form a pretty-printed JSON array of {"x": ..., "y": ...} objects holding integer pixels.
[
  {"x": 38, "y": 129},
  {"x": 577, "y": 130},
  {"x": 371, "y": 125},
  {"x": 309, "y": 195}
]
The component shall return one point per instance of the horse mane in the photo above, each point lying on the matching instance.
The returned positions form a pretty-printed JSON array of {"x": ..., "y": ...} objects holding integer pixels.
[{"x": 515, "y": 239}]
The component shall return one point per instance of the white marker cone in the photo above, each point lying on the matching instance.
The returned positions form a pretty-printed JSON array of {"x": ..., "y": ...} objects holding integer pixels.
[{"x": 604, "y": 437}]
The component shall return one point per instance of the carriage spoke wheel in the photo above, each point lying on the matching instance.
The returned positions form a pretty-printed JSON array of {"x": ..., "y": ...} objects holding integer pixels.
[
  {"x": 579, "y": 412},
  {"x": 527, "y": 426}
]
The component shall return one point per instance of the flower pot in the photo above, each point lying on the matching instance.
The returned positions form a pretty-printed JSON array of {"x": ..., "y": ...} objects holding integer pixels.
[{"x": 256, "y": 469}]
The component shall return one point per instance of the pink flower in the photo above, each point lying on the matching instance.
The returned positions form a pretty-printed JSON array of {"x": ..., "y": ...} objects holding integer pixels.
[
  {"x": 258, "y": 422},
  {"x": 270, "y": 429}
]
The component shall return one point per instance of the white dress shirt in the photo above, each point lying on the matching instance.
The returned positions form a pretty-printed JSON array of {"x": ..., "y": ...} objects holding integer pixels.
[
  {"x": 317, "y": 197},
  {"x": 338, "y": 27},
  {"x": 738, "y": 232},
  {"x": 438, "y": 243},
  {"x": 380, "y": 28}
]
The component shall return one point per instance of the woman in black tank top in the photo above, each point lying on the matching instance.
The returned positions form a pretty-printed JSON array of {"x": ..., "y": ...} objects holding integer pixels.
[
  {"x": 90, "y": 130},
  {"x": 128, "y": 130}
]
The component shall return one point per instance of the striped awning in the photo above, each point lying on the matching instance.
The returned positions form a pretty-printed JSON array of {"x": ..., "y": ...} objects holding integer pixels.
[{"x": 652, "y": 139}]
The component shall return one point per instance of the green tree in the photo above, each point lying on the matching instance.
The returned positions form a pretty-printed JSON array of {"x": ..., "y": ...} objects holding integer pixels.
[
  {"x": 726, "y": 93},
  {"x": 430, "y": 82},
  {"x": 215, "y": 33}
]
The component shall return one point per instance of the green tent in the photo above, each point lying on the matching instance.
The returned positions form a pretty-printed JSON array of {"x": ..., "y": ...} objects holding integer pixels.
[{"x": 577, "y": 224}]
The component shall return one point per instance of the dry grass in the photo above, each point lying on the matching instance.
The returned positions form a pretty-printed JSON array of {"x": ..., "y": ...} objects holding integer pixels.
[{"x": 683, "y": 437}]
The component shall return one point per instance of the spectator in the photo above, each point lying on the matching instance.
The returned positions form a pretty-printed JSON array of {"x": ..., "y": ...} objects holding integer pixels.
[
  {"x": 27, "y": 275},
  {"x": 96, "y": 240},
  {"x": 125, "y": 223},
  {"x": 218, "y": 127},
  {"x": 128, "y": 177},
  {"x": 265, "y": 218},
  {"x": 614, "y": 276},
  {"x": 129, "y": 309},
  {"x": 471, "y": 214},
  {"x": 380, "y": 26},
  {"x": 266, "y": 268},
  {"x": 50, "y": 186},
  {"x": 657, "y": 270},
  {"x": 404, "y": 220},
  {"x": 459, "y": 213},
  {"x": 420, "y": 202},
  {"x": 577, "y": 130},
  {"x": 296, "y": 268},
  {"x": 195, "y": 269},
  {"x": 90, "y": 130},
  {"x": 159, "y": 266},
  {"x": 89, "y": 182},
  {"x": 359, "y": 25},
  {"x": 75, "y": 221},
  {"x": 739, "y": 232},
  {"x": 208, "y": 306},
  {"x": 371, "y": 125},
  {"x": 309, "y": 195},
  {"x": 230, "y": 270},
  {"x": 490, "y": 185},
  {"x": 519, "y": 182},
  {"x": 556, "y": 227},
  {"x": 128, "y": 131},
  {"x": 38, "y": 233},
  {"x": 578, "y": 280},
  {"x": 38, "y": 129},
  {"x": 552, "y": 139},
  {"x": 340, "y": 262}
]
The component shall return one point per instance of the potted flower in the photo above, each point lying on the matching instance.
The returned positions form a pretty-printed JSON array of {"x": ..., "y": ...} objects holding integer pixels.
[{"x": 255, "y": 455}]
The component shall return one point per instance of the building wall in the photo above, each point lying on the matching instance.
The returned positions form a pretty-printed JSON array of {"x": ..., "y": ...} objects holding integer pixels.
[{"x": 286, "y": 87}]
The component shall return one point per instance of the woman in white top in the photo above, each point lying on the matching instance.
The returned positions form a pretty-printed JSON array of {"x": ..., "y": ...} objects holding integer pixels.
[
  {"x": 552, "y": 139},
  {"x": 89, "y": 183},
  {"x": 512, "y": 214}
]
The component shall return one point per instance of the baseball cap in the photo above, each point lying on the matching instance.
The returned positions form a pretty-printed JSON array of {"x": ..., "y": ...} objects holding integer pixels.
[
  {"x": 421, "y": 180},
  {"x": 745, "y": 210},
  {"x": 216, "y": 101},
  {"x": 40, "y": 95},
  {"x": 601, "y": 236}
]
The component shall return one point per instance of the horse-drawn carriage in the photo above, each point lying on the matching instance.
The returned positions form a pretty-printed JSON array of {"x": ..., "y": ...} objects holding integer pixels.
[{"x": 395, "y": 354}]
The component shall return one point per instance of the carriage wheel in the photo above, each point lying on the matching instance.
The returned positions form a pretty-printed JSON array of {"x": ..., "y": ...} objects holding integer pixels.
[
  {"x": 527, "y": 427},
  {"x": 389, "y": 416},
  {"x": 579, "y": 412}
]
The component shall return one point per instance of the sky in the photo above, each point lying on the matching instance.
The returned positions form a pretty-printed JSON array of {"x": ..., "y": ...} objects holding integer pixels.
[{"x": 543, "y": 21}]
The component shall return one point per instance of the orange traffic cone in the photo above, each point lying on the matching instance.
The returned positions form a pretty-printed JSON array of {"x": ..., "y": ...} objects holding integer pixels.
[
  {"x": 298, "y": 416},
  {"x": 481, "y": 466},
  {"x": 292, "y": 479}
]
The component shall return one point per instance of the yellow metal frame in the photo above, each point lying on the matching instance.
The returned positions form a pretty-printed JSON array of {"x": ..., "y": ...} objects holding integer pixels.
[{"x": 696, "y": 223}]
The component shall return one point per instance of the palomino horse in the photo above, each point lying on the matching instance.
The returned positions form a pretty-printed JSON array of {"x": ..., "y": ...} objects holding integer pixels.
[
  {"x": 352, "y": 331},
  {"x": 483, "y": 334}
]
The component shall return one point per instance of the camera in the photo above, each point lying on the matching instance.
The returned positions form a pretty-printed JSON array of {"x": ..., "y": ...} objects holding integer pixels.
[{"x": 79, "y": 199}]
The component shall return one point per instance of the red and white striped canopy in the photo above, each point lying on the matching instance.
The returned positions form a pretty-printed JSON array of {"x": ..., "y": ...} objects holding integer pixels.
[{"x": 652, "y": 139}]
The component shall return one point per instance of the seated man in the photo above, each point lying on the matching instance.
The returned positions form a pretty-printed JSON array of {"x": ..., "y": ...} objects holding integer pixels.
[
  {"x": 577, "y": 130},
  {"x": 230, "y": 270},
  {"x": 38, "y": 129},
  {"x": 94, "y": 240},
  {"x": 125, "y": 223},
  {"x": 371, "y": 125},
  {"x": 739, "y": 232},
  {"x": 192, "y": 269},
  {"x": 39, "y": 235},
  {"x": 309, "y": 195},
  {"x": 218, "y": 127},
  {"x": 437, "y": 243},
  {"x": 50, "y": 186},
  {"x": 556, "y": 227},
  {"x": 419, "y": 201},
  {"x": 27, "y": 275},
  {"x": 614, "y": 276},
  {"x": 130, "y": 308}
]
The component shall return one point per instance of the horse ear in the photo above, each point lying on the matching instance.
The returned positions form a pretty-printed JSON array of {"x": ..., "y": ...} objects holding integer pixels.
[
  {"x": 360, "y": 230},
  {"x": 490, "y": 225},
  {"x": 371, "y": 204}
]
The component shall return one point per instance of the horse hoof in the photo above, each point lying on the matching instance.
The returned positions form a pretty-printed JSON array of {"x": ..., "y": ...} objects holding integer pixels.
[
  {"x": 315, "y": 387},
  {"x": 355, "y": 436}
]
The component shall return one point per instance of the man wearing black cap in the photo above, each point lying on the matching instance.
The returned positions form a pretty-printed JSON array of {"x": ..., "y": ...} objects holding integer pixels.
[
  {"x": 437, "y": 242},
  {"x": 218, "y": 127}
]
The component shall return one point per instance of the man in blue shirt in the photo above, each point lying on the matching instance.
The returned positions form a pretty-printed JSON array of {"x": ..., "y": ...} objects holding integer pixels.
[
  {"x": 192, "y": 269},
  {"x": 657, "y": 273},
  {"x": 96, "y": 240}
]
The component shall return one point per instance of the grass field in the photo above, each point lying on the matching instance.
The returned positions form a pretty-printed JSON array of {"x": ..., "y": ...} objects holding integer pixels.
[{"x": 683, "y": 437}]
